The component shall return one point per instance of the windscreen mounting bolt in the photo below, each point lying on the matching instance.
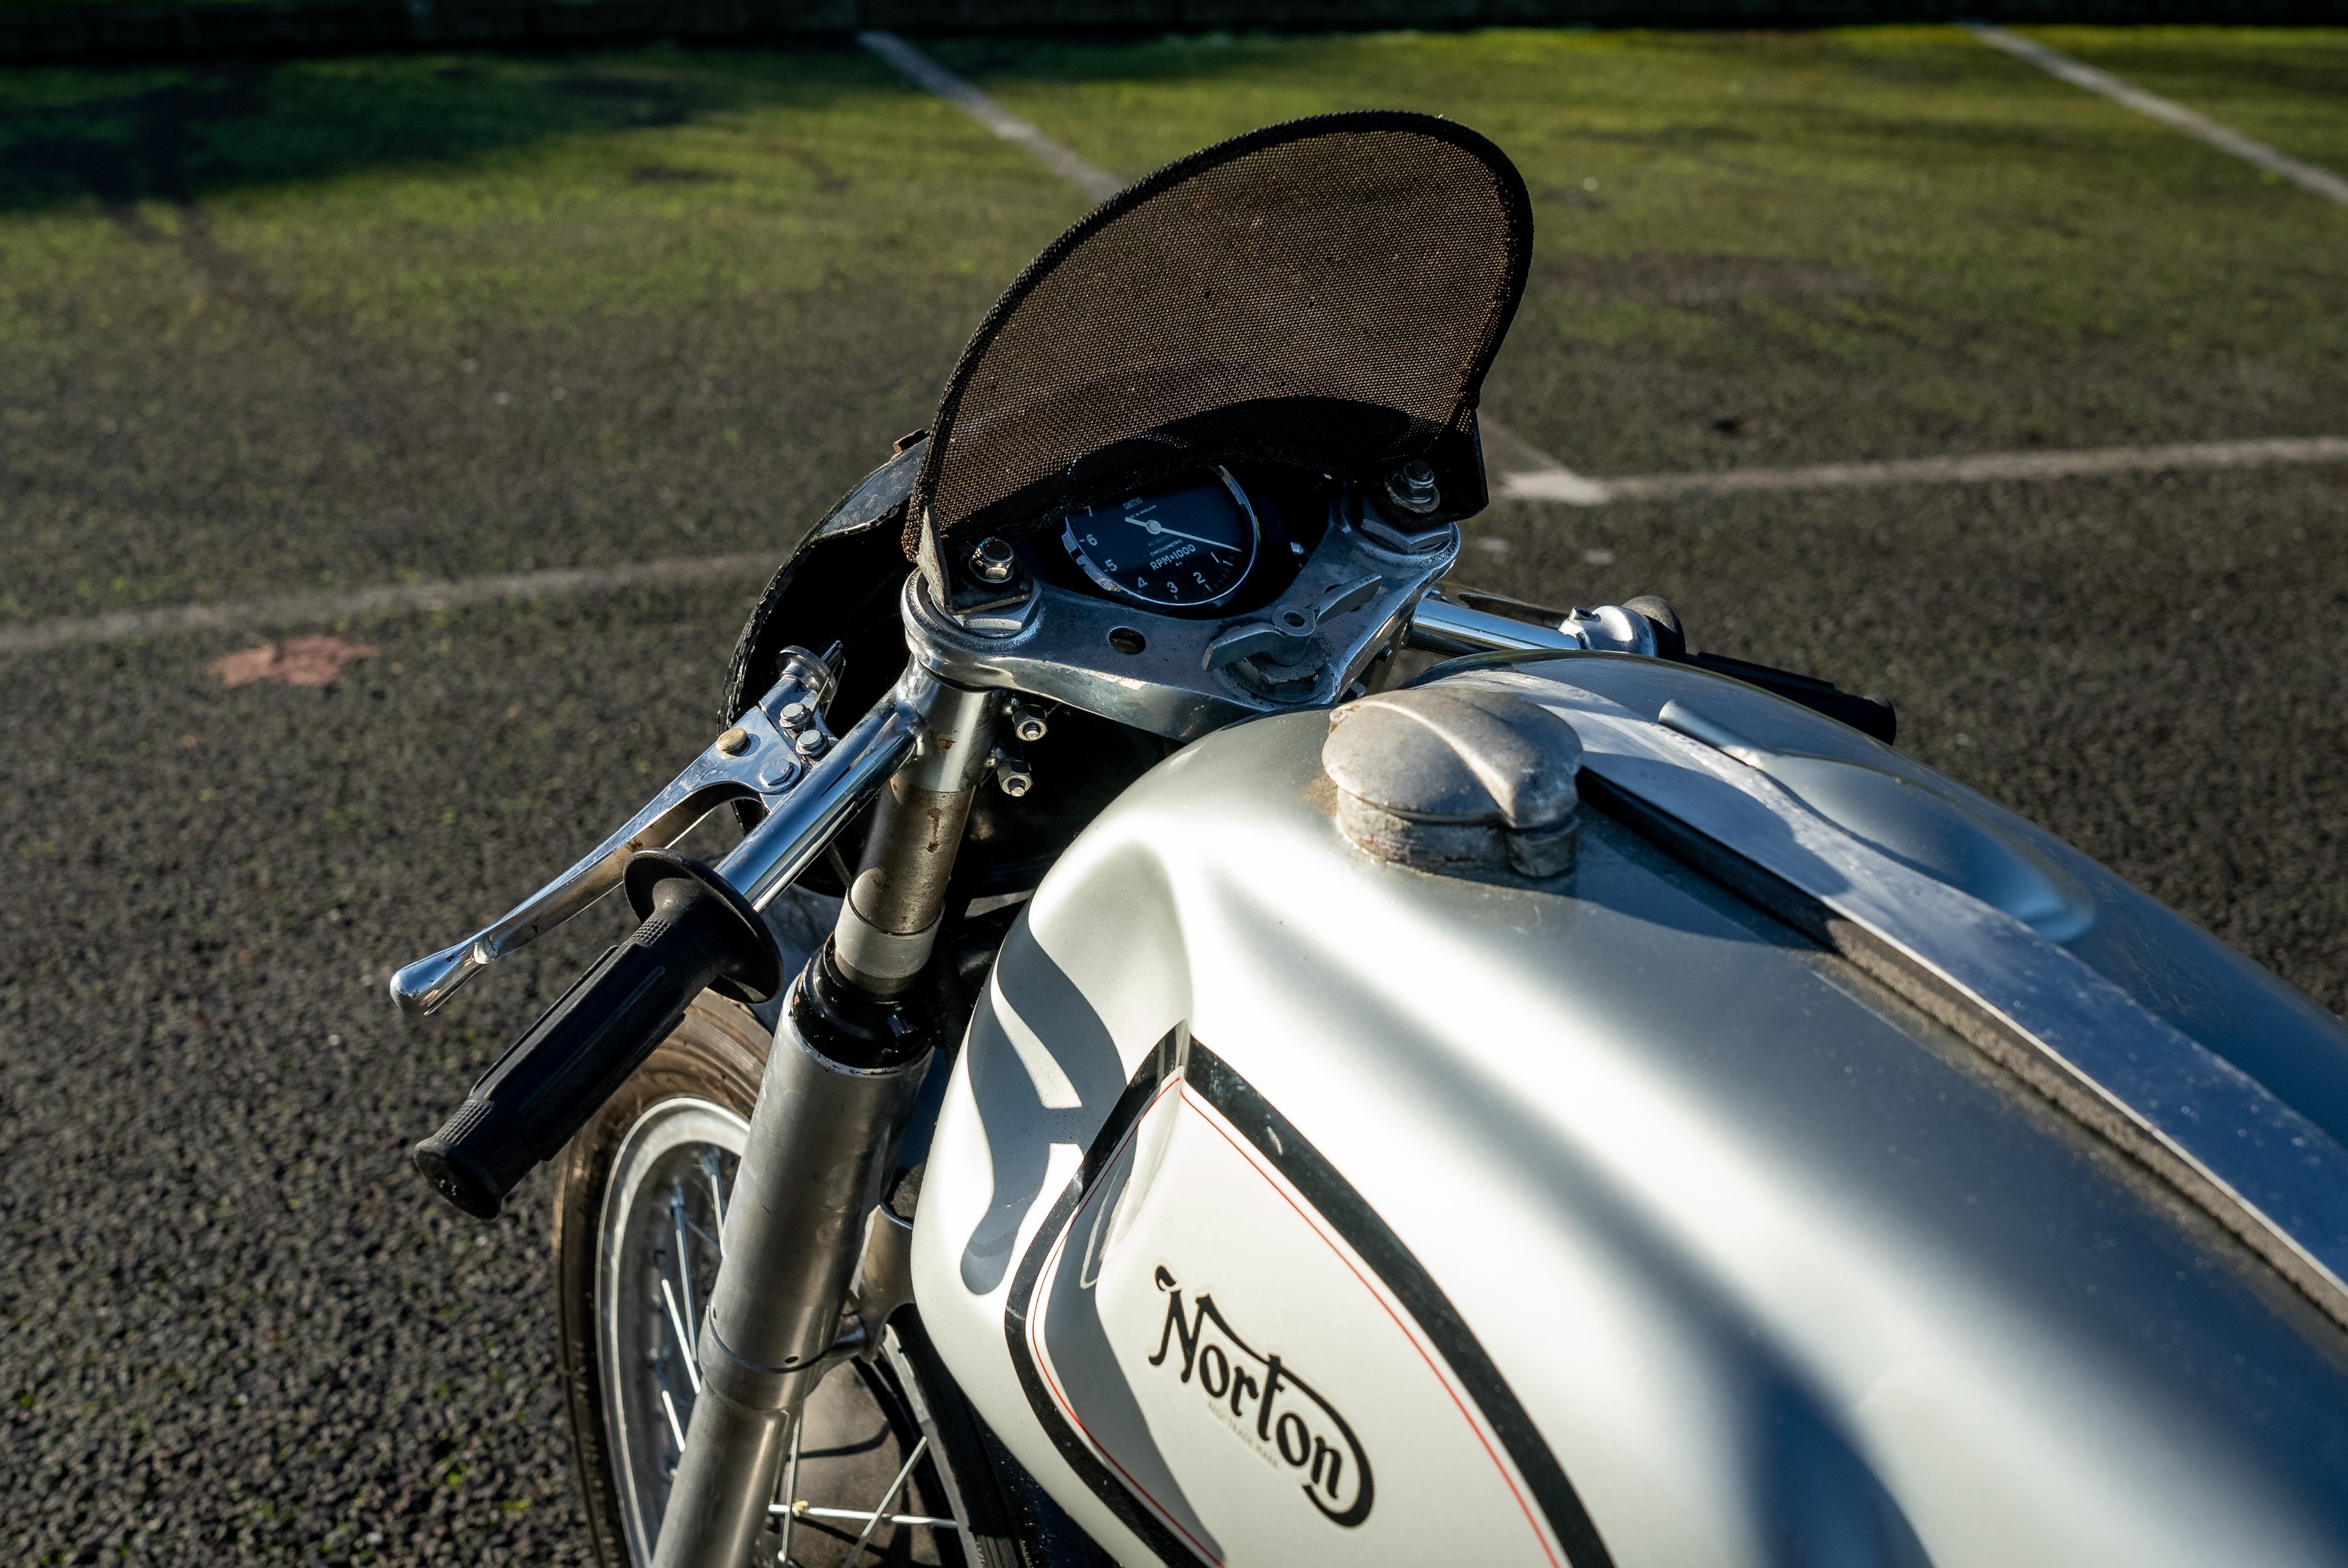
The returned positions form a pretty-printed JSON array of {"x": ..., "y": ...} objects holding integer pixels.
[
  {"x": 1411, "y": 489},
  {"x": 990, "y": 560}
]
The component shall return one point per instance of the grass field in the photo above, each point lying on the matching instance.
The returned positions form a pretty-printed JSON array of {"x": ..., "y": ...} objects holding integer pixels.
[
  {"x": 331, "y": 322},
  {"x": 442, "y": 316},
  {"x": 272, "y": 327},
  {"x": 2284, "y": 86},
  {"x": 1816, "y": 247}
]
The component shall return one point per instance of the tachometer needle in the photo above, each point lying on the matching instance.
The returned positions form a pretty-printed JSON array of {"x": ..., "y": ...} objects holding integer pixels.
[{"x": 1151, "y": 525}]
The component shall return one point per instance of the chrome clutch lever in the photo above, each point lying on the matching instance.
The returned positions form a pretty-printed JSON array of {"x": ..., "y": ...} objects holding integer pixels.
[{"x": 767, "y": 754}]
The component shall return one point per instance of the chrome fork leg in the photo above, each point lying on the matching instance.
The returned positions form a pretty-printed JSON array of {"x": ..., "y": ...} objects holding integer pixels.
[
  {"x": 839, "y": 1081},
  {"x": 811, "y": 1173}
]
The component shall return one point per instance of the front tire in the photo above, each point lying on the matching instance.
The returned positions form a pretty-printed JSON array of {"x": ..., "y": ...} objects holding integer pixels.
[{"x": 637, "y": 1206}]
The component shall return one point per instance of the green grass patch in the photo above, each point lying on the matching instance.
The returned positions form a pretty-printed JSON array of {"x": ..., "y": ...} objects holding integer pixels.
[
  {"x": 1801, "y": 247},
  {"x": 2287, "y": 86},
  {"x": 300, "y": 326},
  {"x": 278, "y": 326}
]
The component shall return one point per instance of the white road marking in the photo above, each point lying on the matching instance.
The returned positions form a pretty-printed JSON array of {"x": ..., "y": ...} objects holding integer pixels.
[
  {"x": 1089, "y": 178},
  {"x": 1544, "y": 479},
  {"x": 1522, "y": 470},
  {"x": 1529, "y": 474},
  {"x": 1525, "y": 472},
  {"x": 388, "y": 599},
  {"x": 2307, "y": 176}
]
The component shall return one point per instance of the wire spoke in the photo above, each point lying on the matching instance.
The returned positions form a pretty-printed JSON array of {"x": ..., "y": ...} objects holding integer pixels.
[
  {"x": 692, "y": 1350},
  {"x": 681, "y": 1235},
  {"x": 710, "y": 1164},
  {"x": 684, "y": 1256},
  {"x": 887, "y": 1498},
  {"x": 715, "y": 1244},
  {"x": 790, "y": 1488},
  {"x": 805, "y": 1509}
]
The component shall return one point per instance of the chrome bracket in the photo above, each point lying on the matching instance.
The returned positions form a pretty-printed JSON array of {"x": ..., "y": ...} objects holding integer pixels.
[
  {"x": 884, "y": 1282},
  {"x": 764, "y": 757},
  {"x": 1182, "y": 677}
]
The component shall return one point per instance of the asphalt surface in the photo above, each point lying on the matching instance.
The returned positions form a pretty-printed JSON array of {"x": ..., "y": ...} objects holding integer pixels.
[{"x": 238, "y": 1328}]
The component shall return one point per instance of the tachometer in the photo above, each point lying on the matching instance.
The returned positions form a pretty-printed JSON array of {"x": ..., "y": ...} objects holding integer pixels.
[{"x": 1183, "y": 546}]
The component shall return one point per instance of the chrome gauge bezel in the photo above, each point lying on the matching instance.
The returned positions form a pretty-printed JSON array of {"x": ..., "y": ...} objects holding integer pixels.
[
  {"x": 1179, "y": 675},
  {"x": 1109, "y": 585}
]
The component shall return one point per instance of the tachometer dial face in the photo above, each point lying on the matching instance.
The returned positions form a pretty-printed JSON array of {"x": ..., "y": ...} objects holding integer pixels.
[{"x": 1182, "y": 546}]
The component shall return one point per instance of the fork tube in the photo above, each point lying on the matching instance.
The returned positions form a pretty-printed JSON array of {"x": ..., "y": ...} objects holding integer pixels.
[
  {"x": 811, "y": 1170},
  {"x": 846, "y": 1063},
  {"x": 889, "y": 921}
]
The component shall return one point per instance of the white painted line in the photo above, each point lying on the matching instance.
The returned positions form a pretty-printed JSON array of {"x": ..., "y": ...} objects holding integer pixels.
[
  {"x": 1527, "y": 473},
  {"x": 1551, "y": 481},
  {"x": 1089, "y": 178},
  {"x": 2307, "y": 176},
  {"x": 389, "y": 599}
]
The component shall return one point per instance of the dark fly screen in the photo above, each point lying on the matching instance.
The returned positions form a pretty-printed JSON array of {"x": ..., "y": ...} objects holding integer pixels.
[{"x": 1327, "y": 292}]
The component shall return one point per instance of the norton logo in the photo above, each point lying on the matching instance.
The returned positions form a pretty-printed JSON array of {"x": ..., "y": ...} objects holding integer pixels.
[{"x": 1275, "y": 1411}]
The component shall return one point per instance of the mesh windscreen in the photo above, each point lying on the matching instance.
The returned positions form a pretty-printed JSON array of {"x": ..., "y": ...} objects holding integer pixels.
[{"x": 1327, "y": 292}]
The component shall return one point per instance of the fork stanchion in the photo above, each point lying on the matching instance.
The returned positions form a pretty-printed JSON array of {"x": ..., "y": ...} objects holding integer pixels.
[{"x": 848, "y": 1059}]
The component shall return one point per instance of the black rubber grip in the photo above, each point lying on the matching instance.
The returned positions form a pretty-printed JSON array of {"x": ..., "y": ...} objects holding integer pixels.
[{"x": 696, "y": 930}]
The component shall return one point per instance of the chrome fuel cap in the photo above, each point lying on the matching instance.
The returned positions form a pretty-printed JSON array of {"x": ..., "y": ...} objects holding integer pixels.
[{"x": 1456, "y": 778}]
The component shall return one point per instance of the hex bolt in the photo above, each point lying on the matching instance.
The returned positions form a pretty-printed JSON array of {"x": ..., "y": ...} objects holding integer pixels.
[
  {"x": 795, "y": 715},
  {"x": 990, "y": 560},
  {"x": 1012, "y": 774},
  {"x": 1029, "y": 727},
  {"x": 1412, "y": 488},
  {"x": 810, "y": 743},
  {"x": 733, "y": 742}
]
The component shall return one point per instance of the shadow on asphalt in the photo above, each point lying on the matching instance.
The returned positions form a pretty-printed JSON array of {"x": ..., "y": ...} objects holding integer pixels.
[{"x": 124, "y": 137}]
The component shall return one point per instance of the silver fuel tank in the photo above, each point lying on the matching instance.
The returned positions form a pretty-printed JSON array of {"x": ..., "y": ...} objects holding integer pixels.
[{"x": 1825, "y": 1168}]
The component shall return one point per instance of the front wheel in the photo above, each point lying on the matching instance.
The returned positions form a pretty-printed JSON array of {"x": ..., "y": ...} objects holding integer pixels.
[{"x": 888, "y": 1465}]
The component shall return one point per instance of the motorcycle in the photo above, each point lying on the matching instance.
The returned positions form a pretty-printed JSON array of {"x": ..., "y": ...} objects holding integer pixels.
[{"x": 1311, "y": 1063}]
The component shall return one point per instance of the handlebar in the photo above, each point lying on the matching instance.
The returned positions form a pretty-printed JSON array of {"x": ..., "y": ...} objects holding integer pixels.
[
  {"x": 697, "y": 931},
  {"x": 701, "y": 927},
  {"x": 762, "y": 757}
]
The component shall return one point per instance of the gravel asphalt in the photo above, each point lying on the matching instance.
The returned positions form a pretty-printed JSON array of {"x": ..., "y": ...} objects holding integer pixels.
[{"x": 238, "y": 1328}]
